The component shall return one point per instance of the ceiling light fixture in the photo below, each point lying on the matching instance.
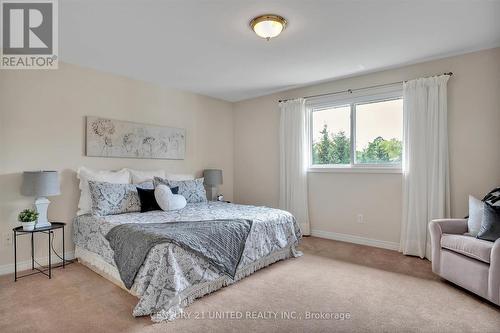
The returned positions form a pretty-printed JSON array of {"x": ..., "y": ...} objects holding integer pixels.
[{"x": 268, "y": 26}]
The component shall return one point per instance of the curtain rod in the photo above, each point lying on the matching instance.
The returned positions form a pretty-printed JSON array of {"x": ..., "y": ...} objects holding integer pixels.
[{"x": 350, "y": 91}]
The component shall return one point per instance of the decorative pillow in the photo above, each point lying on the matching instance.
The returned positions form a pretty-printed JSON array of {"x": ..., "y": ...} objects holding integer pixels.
[
  {"x": 141, "y": 176},
  {"x": 192, "y": 190},
  {"x": 178, "y": 176},
  {"x": 86, "y": 174},
  {"x": 177, "y": 202},
  {"x": 490, "y": 226},
  {"x": 148, "y": 200},
  {"x": 476, "y": 208},
  {"x": 493, "y": 197},
  {"x": 112, "y": 199},
  {"x": 167, "y": 200}
]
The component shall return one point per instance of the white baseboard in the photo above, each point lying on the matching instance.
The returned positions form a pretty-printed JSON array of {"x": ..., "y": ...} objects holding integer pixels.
[
  {"x": 26, "y": 264},
  {"x": 355, "y": 239}
]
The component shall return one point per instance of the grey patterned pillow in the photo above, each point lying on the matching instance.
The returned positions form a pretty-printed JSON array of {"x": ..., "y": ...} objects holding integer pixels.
[
  {"x": 112, "y": 199},
  {"x": 192, "y": 190}
]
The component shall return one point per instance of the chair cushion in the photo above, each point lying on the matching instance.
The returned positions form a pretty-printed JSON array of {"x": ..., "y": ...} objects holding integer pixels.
[{"x": 468, "y": 246}]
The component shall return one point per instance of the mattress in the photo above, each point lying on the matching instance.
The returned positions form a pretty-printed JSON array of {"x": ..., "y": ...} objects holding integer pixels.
[{"x": 171, "y": 277}]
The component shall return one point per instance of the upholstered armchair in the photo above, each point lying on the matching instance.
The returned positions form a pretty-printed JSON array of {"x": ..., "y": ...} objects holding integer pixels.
[{"x": 471, "y": 263}]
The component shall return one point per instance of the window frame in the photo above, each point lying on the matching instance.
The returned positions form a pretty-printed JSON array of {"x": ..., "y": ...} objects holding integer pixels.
[{"x": 351, "y": 99}]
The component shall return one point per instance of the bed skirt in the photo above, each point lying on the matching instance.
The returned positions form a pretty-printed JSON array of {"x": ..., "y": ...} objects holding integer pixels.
[{"x": 94, "y": 262}]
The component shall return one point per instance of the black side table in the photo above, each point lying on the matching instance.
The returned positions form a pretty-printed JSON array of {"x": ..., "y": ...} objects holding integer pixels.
[{"x": 45, "y": 230}]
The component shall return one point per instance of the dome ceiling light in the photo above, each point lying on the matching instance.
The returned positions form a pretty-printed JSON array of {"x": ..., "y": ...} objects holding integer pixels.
[{"x": 268, "y": 26}]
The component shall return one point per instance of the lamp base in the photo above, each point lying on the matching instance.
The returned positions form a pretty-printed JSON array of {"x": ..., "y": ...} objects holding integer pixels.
[
  {"x": 42, "y": 204},
  {"x": 212, "y": 193},
  {"x": 42, "y": 225}
]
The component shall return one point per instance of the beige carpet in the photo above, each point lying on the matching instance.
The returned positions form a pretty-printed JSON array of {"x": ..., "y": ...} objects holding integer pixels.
[{"x": 382, "y": 291}]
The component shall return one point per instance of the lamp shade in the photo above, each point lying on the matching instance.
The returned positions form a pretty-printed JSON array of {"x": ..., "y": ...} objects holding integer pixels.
[
  {"x": 212, "y": 177},
  {"x": 40, "y": 183}
]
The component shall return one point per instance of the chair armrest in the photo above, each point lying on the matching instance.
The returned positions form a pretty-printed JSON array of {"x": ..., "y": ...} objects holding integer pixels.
[
  {"x": 449, "y": 226},
  {"x": 494, "y": 275},
  {"x": 436, "y": 229}
]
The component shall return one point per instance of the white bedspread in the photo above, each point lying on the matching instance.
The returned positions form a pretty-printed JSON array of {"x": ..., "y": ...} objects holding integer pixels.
[{"x": 172, "y": 277}]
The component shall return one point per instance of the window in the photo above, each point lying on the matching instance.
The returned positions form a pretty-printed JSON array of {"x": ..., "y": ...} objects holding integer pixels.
[
  {"x": 331, "y": 136},
  {"x": 359, "y": 131}
]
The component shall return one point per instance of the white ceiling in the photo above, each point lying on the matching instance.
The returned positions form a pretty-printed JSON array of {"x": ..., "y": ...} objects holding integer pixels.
[{"x": 207, "y": 47}]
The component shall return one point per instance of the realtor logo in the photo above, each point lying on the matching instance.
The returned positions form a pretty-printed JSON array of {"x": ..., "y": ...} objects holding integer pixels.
[{"x": 29, "y": 34}]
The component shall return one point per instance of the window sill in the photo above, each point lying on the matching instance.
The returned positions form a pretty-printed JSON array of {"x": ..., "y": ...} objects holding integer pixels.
[{"x": 355, "y": 169}]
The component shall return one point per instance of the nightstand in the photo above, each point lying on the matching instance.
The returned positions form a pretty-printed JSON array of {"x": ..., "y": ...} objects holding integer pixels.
[{"x": 49, "y": 231}]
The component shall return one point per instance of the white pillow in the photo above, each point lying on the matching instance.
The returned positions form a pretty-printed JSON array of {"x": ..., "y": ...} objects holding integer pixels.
[
  {"x": 476, "y": 208},
  {"x": 178, "y": 176},
  {"x": 86, "y": 174},
  {"x": 141, "y": 176},
  {"x": 167, "y": 200}
]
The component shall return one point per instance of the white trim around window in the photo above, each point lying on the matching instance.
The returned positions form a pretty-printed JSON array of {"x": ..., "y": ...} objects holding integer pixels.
[
  {"x": 364, "y": 96},
  {"x": 340, "y": 168}
]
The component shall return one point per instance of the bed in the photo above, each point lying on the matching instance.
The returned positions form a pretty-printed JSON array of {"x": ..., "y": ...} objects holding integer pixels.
[{"x": 172, "y": 277}]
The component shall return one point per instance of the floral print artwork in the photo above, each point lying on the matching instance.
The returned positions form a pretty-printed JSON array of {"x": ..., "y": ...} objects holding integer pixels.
[{"x": 115, "y": 138}]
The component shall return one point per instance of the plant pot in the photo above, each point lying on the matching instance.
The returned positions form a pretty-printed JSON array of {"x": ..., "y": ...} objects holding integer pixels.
[{"x": 28, "y": 226}]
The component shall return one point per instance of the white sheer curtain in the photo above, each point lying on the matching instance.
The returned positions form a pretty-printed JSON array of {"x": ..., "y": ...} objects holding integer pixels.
[
  {"x": 294, "y": 150},
  {"x": 426, "y": 190}
]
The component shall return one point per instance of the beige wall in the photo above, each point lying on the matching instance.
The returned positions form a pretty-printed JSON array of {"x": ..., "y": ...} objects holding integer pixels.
[
  {"x": 335, "y": 199},
  {"x": 42, "y": 127}
]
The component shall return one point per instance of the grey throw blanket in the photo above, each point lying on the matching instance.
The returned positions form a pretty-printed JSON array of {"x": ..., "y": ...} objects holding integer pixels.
[{"x": 220, "y": 242}]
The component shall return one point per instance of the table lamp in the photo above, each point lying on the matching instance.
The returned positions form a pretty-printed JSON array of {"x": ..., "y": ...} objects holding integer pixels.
[
  {"x": 40, "y": 184},
  {"x": 213, "y": 177}
]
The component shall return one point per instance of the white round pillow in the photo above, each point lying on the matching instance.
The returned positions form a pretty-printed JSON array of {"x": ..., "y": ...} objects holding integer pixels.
[
  {"x": 167, "y": 200},
  {"x": 177, "y": 202}
]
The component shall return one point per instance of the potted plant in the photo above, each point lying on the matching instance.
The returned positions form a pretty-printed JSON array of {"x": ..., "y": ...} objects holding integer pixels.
[{"x": 28, "y": 219}]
